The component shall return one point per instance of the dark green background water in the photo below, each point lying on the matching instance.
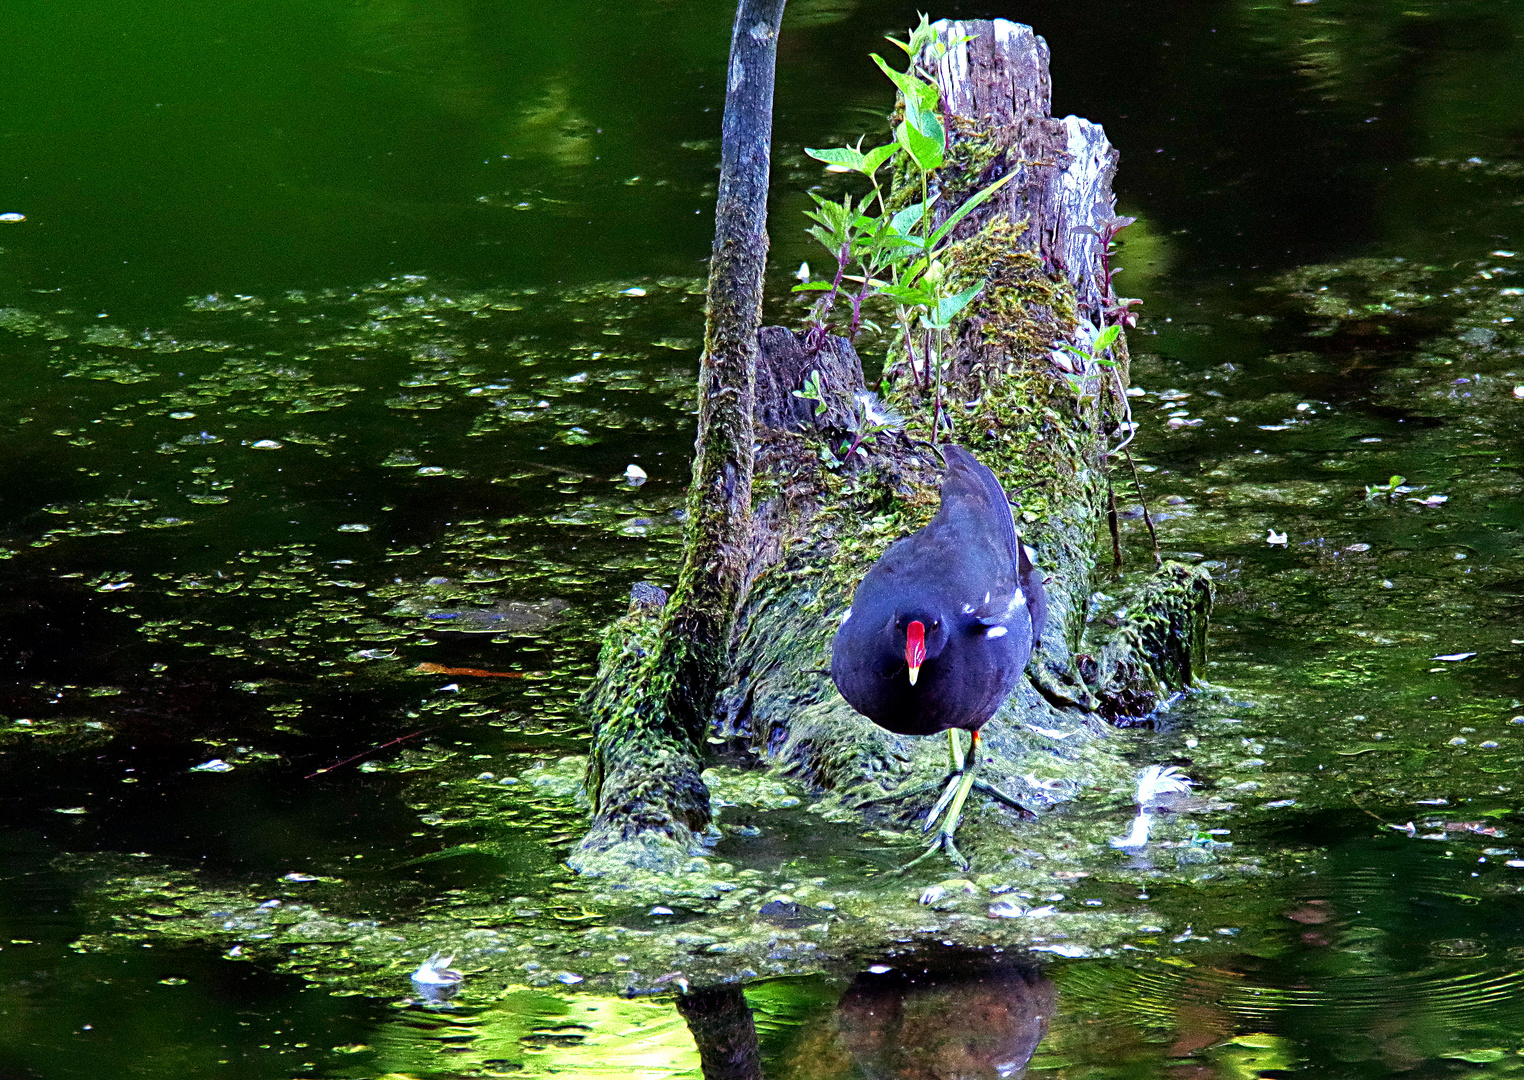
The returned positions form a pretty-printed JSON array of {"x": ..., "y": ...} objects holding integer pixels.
[{"x": 313, "y": 305}]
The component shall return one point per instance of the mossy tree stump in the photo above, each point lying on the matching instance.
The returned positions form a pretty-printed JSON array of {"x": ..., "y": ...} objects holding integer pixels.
[{"x": 816, "y": 529}]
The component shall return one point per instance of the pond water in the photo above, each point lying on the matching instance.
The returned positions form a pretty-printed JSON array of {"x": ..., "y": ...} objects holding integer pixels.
[{"x": 328, "y": 332}]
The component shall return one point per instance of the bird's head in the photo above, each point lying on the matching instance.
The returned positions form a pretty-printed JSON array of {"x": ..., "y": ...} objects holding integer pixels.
[{"x": 924, "y": 635}]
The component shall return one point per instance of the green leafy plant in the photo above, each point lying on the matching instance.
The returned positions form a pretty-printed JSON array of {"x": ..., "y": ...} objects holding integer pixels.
[
  {"x": 1084, "y": 362},
  {"x": 895, "y": 255},
  {"x": 870, "y": 417},
  {"x": 812, "y": 392}
]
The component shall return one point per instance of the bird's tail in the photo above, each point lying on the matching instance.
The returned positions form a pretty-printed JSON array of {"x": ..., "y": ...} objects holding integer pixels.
[{"x": 969, "y": 480}]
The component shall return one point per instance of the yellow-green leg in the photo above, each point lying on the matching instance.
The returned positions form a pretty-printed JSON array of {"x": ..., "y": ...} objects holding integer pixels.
[{"x": 959, "y": 784}]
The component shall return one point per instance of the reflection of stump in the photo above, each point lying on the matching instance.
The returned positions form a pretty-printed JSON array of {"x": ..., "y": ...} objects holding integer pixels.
[
  {"x": 929, "y": 1017},
  {"x": 818, "y": 528},
  {"x": 724, "y": 1032},
  {"x": 968, "y": 1020}
]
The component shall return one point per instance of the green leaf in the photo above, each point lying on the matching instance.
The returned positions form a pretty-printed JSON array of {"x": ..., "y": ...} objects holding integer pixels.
[
  {"x": 917, "y": 92},
  {"x": 969, "y": 206},
  {"x": 905, "y": 221},
  {"x": 917, "y": 297},
  {"x": 928, "y": 124},
  {"x": 827, "y": 241},
  {"x": 920, "y": 37},
  {"x": 813, "y": 286},
  {"x": 874, "y": 159},
  {"x": 841, "y": 155},
  {"x": 925, "y": 152},
  {"x": 1106, "y": 339},
  {"x": 949, "y": 306}
]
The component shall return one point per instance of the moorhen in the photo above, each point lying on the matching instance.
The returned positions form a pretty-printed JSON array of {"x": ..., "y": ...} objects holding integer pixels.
[{"x": 941, "y": 627}]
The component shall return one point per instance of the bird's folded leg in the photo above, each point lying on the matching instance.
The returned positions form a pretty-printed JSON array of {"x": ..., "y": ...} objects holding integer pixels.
[{"x": 954, "y": 751}]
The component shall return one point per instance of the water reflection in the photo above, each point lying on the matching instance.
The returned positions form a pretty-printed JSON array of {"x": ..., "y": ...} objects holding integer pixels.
[
  {"x": 724, "y": 1032},
  {"x": 925, "y": 1015}
]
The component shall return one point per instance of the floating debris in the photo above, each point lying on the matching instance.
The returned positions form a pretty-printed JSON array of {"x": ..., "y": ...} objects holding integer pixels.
[
  {"x": 1137, "y": 837},
  {"x": 932, "y": 893},
  {"x": 1010, "y": 909},
  {"x": 505, "y": 617},
  {"x": 1157, "y": 780},
  {"x": 436, "y": 971},
  {"x": 440, "y": 669}
]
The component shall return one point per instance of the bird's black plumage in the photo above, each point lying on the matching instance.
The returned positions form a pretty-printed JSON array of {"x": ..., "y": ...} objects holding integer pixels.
[{"x": 970, "y": 582}]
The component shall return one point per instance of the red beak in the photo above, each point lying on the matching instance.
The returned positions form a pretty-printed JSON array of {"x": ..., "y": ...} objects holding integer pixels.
[{"x": 915, "y": 648}]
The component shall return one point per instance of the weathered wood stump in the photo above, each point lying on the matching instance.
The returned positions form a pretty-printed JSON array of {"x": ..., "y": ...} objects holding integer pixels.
[{"x": 817, "y": 528}]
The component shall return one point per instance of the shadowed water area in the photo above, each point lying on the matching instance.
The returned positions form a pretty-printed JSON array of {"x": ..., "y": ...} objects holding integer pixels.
[{"x": 328, "y": 333}]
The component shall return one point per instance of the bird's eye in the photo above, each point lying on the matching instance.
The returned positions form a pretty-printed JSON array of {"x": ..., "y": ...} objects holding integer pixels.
[{"x": 935, "y": 623}]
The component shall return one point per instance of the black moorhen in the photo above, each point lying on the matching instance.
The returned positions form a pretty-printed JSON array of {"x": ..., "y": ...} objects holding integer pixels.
[{"x": 941, "y": 627}]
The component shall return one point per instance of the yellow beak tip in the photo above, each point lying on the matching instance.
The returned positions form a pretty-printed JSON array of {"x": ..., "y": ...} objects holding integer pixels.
[{"x": 915, "y": 673}]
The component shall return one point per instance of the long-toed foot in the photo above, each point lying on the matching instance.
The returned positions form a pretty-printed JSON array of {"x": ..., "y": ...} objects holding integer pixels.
[
  {"x": 943, "y": 841},
  {"x": 958, "y": 784}
]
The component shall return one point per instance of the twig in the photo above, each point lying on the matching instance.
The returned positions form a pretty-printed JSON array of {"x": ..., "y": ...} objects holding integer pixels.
[
  {"x": 372, "y": 750},
  {"x": 1147, "y": 520},
  {"x": 1111, "y": 523}
]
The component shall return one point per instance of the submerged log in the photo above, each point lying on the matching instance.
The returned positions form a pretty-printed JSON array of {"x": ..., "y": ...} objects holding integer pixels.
[{"x": 1044, "y": 421}]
